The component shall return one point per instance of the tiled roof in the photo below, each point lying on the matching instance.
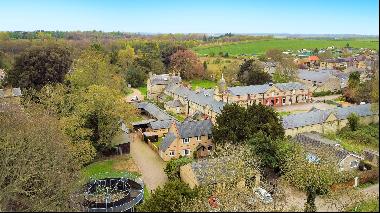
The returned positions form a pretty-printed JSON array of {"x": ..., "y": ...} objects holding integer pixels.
[
  {"x": 257, "y": 89},
  {"x": 162, "y": 124},
  {"x": 318, "y": 76},
  {"x": 194, "y": 128},
  {"x": 187, "y": 129},
  {"x": 164, "y": 79},
  {"x": 154, "y": 111},
  {"x": 317, "y": 141},
  {"x": 198, "y": 98},
  {"x": 319, "y": 116},
  {"x": 168, "y": 139},
  {"x": 174, "y": 103}
]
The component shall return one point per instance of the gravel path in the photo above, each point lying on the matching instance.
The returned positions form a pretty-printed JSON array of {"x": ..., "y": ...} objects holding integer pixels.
[
  {"x": 135, "y": 92},
  {"x": 149, "y": 162}
]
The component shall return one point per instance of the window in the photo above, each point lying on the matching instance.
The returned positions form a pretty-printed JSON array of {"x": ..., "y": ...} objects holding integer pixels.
[
  {"x": 198, "y": 138},
  {"x": 283, "y": 100},
  {"x": 354, "y": 164},
  {"x": 171, "y": 153},
  {"x": 209, "y": 137},
  {"x": 209, "y": 148},
  {"x": 186, "y": 152},
  {"x": 186, "y": 140}
]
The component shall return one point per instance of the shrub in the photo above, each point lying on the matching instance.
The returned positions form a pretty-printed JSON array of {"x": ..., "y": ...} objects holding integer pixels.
[
  {"x": 353, "y": 121},
  {"x": 172, "y": 168}
]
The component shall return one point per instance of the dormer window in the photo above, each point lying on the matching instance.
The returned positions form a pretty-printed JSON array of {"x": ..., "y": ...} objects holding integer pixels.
[
  {"x": 185, "y": 140},
  {"x": 198, "y": 138}
]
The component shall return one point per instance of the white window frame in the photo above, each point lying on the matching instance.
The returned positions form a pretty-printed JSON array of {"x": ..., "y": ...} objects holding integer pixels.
[
  {"x": 171, "y": 153},
  {"x": 199, "y": 138},
  {"x": 186, "y": 140}
]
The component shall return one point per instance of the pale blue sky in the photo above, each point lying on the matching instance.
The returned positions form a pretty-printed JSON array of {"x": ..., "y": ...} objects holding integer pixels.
[{"x": 198, "y": 16}]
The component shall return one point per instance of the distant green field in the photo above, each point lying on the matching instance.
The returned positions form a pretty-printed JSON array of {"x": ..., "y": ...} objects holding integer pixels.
[
  {"x": 261, "y": 46},
  {"x": 202, "y": 83}
]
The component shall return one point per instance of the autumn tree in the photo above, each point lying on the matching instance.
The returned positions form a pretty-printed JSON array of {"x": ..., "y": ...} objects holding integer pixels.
[
  {"x": 187, "y": 63},
  {"x": 313, "y": 175},
  {"x": 38, "y": 173},
  {"x": 286, "y": 71},
  {"x": 40, "y": 65},
  {"x": 274, "y": 54},
  {"x": 252, "y": 73},
  {"x": 229, "y": 179}
]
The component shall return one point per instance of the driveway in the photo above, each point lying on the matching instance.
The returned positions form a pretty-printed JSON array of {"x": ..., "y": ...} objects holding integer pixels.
[
  {"x": 135, "y": 92},
  {"x": 149, "y": 163}
]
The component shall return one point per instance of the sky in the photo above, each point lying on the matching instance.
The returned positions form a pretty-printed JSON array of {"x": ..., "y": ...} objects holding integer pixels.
[{"x": 193, "y": 16}]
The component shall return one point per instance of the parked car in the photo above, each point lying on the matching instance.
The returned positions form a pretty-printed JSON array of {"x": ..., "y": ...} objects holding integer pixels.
[
  {"x": 134, "y": 98},
  {"x": 263, "y": 195}
]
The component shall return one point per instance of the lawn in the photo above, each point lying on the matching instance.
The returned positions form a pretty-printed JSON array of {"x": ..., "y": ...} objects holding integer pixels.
[
  {"x": 179, "y": 117},
  {"x": 143, "y": 91},
  {"x": 366, "y": 137},
  {"x": 116, "y": 166},
  {"x": 202, "y": 83},
  {"x": 371, "y": 205},
  {"x": 261, "y": 46}
]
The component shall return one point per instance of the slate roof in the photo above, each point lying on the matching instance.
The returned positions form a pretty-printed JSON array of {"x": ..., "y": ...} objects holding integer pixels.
[
  {"x": 313, "y": 140},
  {"x": 194, "y": 128},
  {"x": 162, "y": 124},
  {"x": 154, "y": 111},
  {"x": 318, "y": 76},
  {"x": 142, "y": 122},
  {"x": 257, "y": 89},
  {"x": 164, "y": 79},
  {"x": 319, "y": 116},
  {"x": 187, "y": 129},
  {"x": 198, "y": 98},
  {"x": 168, "y": 139},
  {"x": 174, "y": 103}
]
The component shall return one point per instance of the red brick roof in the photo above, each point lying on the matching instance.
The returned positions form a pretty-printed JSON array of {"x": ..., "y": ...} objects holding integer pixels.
[{"x": 313, "y": 58}]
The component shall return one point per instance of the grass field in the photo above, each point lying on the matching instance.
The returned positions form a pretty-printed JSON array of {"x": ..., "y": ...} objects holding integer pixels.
[
  {"x": 261, "y": 46},
  {"x": 371, "y": 205},
  {"x": 143, "y": 91},
  {"x": 365, "y": 137},
  {"x": 202, "y": 83},
  {"x": 117, "y": 166}
]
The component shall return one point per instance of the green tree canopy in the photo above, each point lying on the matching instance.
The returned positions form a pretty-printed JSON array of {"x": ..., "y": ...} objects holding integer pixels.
[
  {"x": 169, "y": 198},
  {"x": 252, "y": 73},
  {"x": 38, "y": 66},
  {"x": 237, "y": 124}
]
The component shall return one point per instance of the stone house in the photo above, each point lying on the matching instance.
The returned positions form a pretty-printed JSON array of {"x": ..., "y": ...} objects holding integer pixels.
[
  {"x": 213, "y": 171},
  {"x": 325, "y": 121},
  {"x": 267, "y": 94},
  {"x": 318, "y": 147},
  {"x": 156, "y": 84},
  {"x": 185, "y": 139},
  {"x": 338, "y": 63},
  {"x": 174, "y": 106},
  {"x": 319, "y": 81},
  {"x": 195, "y": 101}
]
